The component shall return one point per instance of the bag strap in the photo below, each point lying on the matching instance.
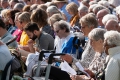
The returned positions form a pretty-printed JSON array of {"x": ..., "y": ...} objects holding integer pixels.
[
  {"x": 76, "y": 45},
  {"x": 4, "y": 73}
]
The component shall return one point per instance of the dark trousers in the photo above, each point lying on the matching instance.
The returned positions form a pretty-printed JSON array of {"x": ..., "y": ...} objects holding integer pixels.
[{"x": 58, "y": 74}]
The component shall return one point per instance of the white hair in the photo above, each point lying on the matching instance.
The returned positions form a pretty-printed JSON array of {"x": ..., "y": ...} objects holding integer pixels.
[
  {"x": 92, "y": 2},
  {"x": 104, "y": 3},
  {"x": 117, "y": 10},
  {"x": 4, "y": 12},
  {"x": 108, "y": 17},
  {"x": 112, "y": 38},
  {"x": 83, "y": 8},
  {"x": 91, "y": 7},
  {"x": 97, "y": 33},
  {"x": 52, "y": 9}
]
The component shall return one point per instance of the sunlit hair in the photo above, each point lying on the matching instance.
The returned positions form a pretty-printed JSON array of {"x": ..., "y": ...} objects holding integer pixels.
[
  {"x": 108, "y": 17},
  {"x": 90, "y": 20},
  {"x": 40, "y": 17},
  {"x": 26, "y": 8},
  {"x": 72, "y": 7},
  {"x": 112, "y": 38},
  {"x": 62, "y": 25},
  {"x": 97, "y": 33},
  {"x": 54, "y": 18},
  {"x": 24, "y": 17}
]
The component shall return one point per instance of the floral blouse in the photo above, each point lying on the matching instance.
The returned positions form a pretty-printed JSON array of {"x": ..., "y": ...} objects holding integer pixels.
[{"x": 98, "y": 62}]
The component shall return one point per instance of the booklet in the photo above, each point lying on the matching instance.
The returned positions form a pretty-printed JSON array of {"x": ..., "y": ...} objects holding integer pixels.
[
  {"x": 78, "y": 64},
  {"x": 66, "y": 67}
]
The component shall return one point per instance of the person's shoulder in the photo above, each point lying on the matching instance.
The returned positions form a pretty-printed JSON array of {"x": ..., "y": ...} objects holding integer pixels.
[
  {"x": 46, "y": 34},
  {"x": 8, "y": 36},
  {"x": 117, "y": 56}
]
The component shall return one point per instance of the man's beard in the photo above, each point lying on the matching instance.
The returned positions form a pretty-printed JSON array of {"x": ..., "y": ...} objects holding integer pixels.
[{"x": 34, "y": 37}]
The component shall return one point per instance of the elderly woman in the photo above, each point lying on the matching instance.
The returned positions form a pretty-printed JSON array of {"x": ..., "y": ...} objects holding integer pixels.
[
  {"x": 96, "y": 37},
  {"x": 112, "y": 48}
]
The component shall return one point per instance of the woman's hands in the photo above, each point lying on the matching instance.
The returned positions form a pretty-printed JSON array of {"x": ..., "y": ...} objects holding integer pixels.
[
  {"x": 92, "y": 75},
  {"x": 68, "y": 58}
]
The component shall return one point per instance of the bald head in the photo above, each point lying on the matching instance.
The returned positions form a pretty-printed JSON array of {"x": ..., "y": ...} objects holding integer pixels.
[
  {"x": 100, "y": 16},
  {"x": 103, "y": 12},
  {"x": 112, "y": 25}
]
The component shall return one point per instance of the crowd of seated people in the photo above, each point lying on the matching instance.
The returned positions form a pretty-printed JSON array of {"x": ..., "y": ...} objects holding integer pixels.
[{"x": 30, "y": 26}]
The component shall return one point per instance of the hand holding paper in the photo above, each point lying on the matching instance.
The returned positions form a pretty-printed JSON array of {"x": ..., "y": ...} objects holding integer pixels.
[
  {"x": 65, "y": 67},
  {"x": 81, "y": 68}
]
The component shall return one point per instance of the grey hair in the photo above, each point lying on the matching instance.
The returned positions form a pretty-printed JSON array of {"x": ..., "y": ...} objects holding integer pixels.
[
  {"x": 53, "y": 9},
  {"x": 83, "y": 8},
  {"x": 97, "y": 33},
  {"x": 108, "y": 17},
  {"x": 112, "y": 38},
  {"x": 92, "y": 2},
  {"x": 55, "y": 17},
  {"x": 19, "y": 6},
  {"x": 62, "y": 25},
  {"x": 98, "y": 8},
  {"x": 91, "y": 7}
]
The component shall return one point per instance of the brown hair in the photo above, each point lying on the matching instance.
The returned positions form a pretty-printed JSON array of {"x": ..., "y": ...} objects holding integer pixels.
[
  {"x": 11, "y": 14},
  {"x": 40, "y": 17},
  {"x": 42, "y": 6},
  {"x": 26, "y": 8}
]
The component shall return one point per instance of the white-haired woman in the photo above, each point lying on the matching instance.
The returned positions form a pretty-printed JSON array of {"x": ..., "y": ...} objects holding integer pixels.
[
  {"x": 96, "y": 37},
  {"x": 112, "y": 48}
]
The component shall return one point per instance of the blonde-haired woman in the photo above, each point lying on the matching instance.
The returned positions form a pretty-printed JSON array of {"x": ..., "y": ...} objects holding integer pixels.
[
  {"x": 4, "y": 17},
  {"x": 23, "y": 19},
  {"x": 72, "y": 9}
]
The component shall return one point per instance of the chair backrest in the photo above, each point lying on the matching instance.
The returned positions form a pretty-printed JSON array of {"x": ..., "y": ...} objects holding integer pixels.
[{"x": 4, "y": 73}]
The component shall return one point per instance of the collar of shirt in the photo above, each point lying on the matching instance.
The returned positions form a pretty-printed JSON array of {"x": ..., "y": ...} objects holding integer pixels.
[{"x": 113, "y": 51}]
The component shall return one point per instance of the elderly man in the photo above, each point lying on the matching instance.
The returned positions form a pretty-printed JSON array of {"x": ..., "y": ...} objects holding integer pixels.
[
  {"x": 100, "y": 16},
  {"x": 108, "y": 17},
  {"x": 62, "y": 30},
  {"x": 112, "y": 25}
]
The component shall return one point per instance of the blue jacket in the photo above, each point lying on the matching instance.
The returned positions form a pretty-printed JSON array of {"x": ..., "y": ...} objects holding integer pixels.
[{"x": 68, "y": 47}]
